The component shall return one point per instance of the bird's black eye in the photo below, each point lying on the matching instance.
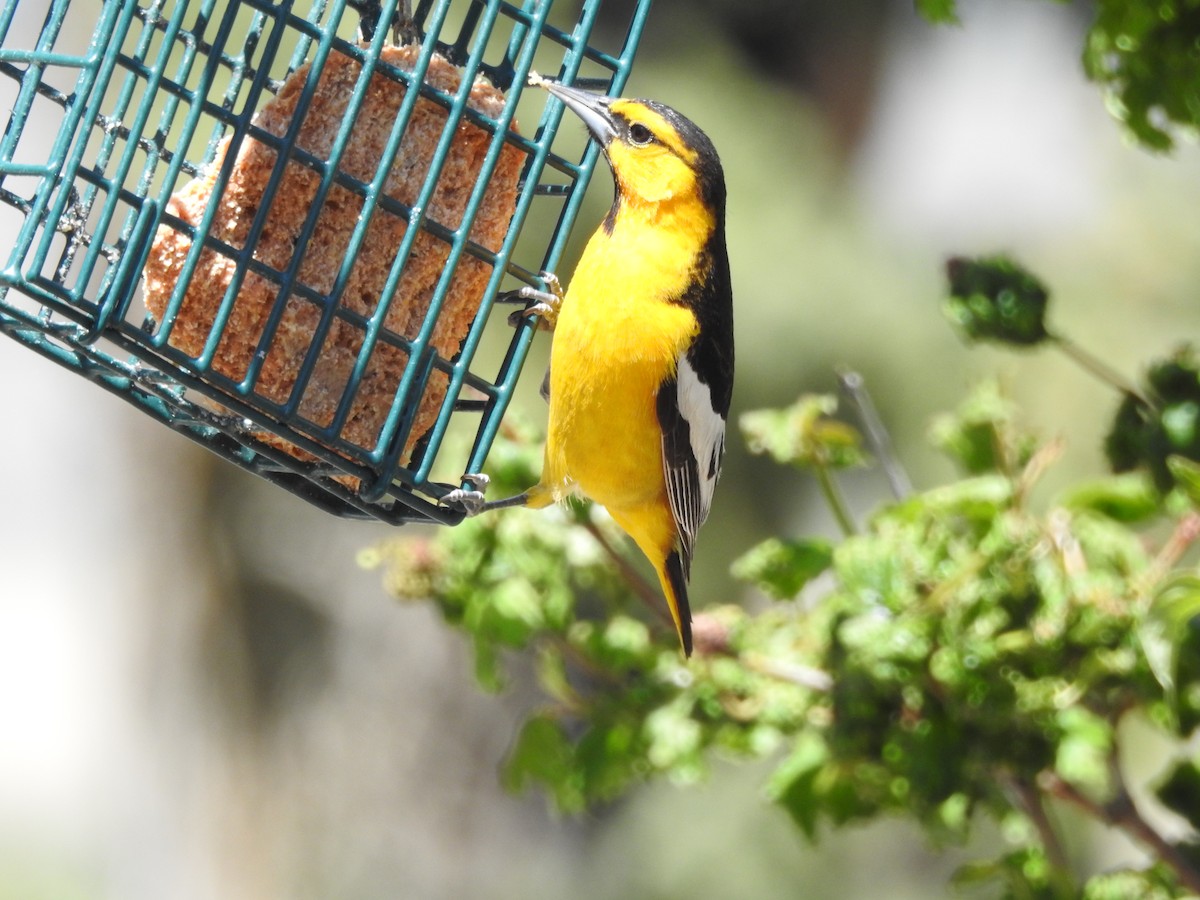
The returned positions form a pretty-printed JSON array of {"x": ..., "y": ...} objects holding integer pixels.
[{"x": 640, "y": 134}]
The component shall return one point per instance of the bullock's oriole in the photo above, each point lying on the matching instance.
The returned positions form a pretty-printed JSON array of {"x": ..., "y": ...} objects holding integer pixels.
[{"x": 641, "y": 365}]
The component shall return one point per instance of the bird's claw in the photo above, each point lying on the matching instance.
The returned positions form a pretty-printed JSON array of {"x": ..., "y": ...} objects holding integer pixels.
[
  {"x": 545, "y": 313},
  {"x": 478, "y": 479},
  {"x": 545, "y": 306},
  {"x": 553, "y": 285},
  {"x": 470, "y": 502}
]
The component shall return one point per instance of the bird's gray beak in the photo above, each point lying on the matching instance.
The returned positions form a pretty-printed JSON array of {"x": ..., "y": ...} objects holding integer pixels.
[{"x": 592, "y": 108}]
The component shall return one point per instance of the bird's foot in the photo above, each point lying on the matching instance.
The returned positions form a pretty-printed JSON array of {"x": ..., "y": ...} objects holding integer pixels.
[
  {"x": 544, "y": 306},
  {"x": 470, "y": 502}
]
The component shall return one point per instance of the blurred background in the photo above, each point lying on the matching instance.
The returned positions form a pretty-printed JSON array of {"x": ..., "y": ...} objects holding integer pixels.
[{"x": 203, "y": 695}]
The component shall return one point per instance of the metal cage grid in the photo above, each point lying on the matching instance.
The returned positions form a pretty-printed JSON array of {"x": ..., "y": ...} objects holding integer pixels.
[{"x": 144, "y": 106}]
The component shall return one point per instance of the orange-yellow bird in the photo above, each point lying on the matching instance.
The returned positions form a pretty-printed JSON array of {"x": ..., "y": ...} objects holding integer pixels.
[{"x": 641, "y": 367}]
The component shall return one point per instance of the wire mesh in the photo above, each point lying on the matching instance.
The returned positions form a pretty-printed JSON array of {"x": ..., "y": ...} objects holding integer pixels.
[{"x": 167, "y": 99}]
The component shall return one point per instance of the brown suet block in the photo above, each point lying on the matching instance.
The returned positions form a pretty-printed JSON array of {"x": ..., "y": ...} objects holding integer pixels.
[{"x": 318, "y": 262}]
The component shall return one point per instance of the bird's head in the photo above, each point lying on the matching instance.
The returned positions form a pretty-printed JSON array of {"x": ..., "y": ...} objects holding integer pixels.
[{"x": 656, "y": 153}]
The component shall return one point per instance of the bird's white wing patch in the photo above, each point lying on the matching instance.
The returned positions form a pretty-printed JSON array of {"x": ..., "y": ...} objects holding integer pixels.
[{"x": 693, "y": 447}]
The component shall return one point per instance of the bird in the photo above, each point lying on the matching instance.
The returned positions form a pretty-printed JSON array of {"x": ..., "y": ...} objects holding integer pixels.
[{"x": 642, "y": 355}]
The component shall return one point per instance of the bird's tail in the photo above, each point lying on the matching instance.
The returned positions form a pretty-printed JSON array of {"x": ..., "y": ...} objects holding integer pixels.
[
  {"x": 673, "y": 578},
  {"x": 653, "y": 530}
]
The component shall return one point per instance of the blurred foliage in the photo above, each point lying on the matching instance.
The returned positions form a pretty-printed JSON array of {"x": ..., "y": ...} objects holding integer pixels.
[
  {"x": 939, "y": 11},
  {"x": 970, "y": 651},
  {"x": 995, "y": 299},
  {"x": 965, "y": 653},
  {"x": 1160, "y": 423},
  {"x": 1157, "y": 425},
  {"x": 1146, "y": 54},
  {"x": 804, "y": 435}
]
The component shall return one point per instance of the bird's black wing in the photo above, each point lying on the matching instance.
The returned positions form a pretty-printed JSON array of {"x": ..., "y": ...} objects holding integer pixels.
[{"x": 694, "y": 405}]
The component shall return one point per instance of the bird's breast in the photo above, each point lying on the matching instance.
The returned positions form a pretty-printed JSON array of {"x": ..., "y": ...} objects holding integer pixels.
[{"x": 618, "y": 337}]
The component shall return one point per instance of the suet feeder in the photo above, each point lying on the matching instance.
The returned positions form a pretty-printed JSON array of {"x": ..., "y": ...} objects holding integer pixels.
[{"x": 280, "y": 228}]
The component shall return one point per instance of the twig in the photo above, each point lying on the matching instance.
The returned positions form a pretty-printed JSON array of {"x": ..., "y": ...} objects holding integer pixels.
[
  {"x": 1121, "y": 812},
  {"x": 1029, "y": 801},
  {"x": 1185, "y": 534},
  {"x": 644, "y": 590},
  {"x": 1044, "y": 457},
  {"x": 588, "y": 666},
  {"x": 1099, "y": 368},
  {"x": 792, "y": 673},
  {"x": 837, "y": 503},
  {"x": 878, "y": 439}
]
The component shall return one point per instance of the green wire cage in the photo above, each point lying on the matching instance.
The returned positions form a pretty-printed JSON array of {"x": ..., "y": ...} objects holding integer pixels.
[{"x": 158, "y": 100}]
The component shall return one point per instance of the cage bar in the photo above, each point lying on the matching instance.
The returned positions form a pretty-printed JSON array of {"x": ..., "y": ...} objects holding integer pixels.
[{"x": 113, "y": 113}]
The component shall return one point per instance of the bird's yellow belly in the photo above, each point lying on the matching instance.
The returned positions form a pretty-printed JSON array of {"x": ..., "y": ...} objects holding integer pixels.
[{"x": 606, "y": 367}]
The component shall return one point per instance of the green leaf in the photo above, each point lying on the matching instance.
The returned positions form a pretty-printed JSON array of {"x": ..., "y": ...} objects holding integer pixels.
[
  {"x": 1148, "y": 431},
  {"x": 552, "y": 675},
  {"x": 1025, "y": 874},
  {"x": 487, "y": 666},
  {"x": 939, "y": 12},
  {"x": 1186, "y": 473},
  {"x": 803, "y": 434},
  {"x": 953, "y": 815},
  {"x": 781, "y": 567},
  {"x": 515, "y": 611},
  {"x": 1083, "y": 753},
  {"x": 673, "y": 736},
  {"x": 543, "y": 755},
  {"x": 611, "y": 755},
  {"x": 977, "y": 872},
  {"x": 1144, "y": 53},
  {"x": 981, "y": 434},
  {"x": 995, "y": 299},
  {"x": 1174, "y": 612},
  {"x": 1186, "y": 697},
  {"x": 1125, "y": 445},
  {"x": 794, "y": 784},
  {"x": 1129, "y": 498},
  {"x": 1148, "y": 884},
  {"x": 982, "y": 497},
  {"x": 1180, "y": 791},
  {"x": 628, "y": 636}
]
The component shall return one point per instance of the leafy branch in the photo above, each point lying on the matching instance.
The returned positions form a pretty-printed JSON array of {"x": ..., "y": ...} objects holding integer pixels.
[
  {"x": 962, "y": 653},
  {"x": 1145, "y": 55}
]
